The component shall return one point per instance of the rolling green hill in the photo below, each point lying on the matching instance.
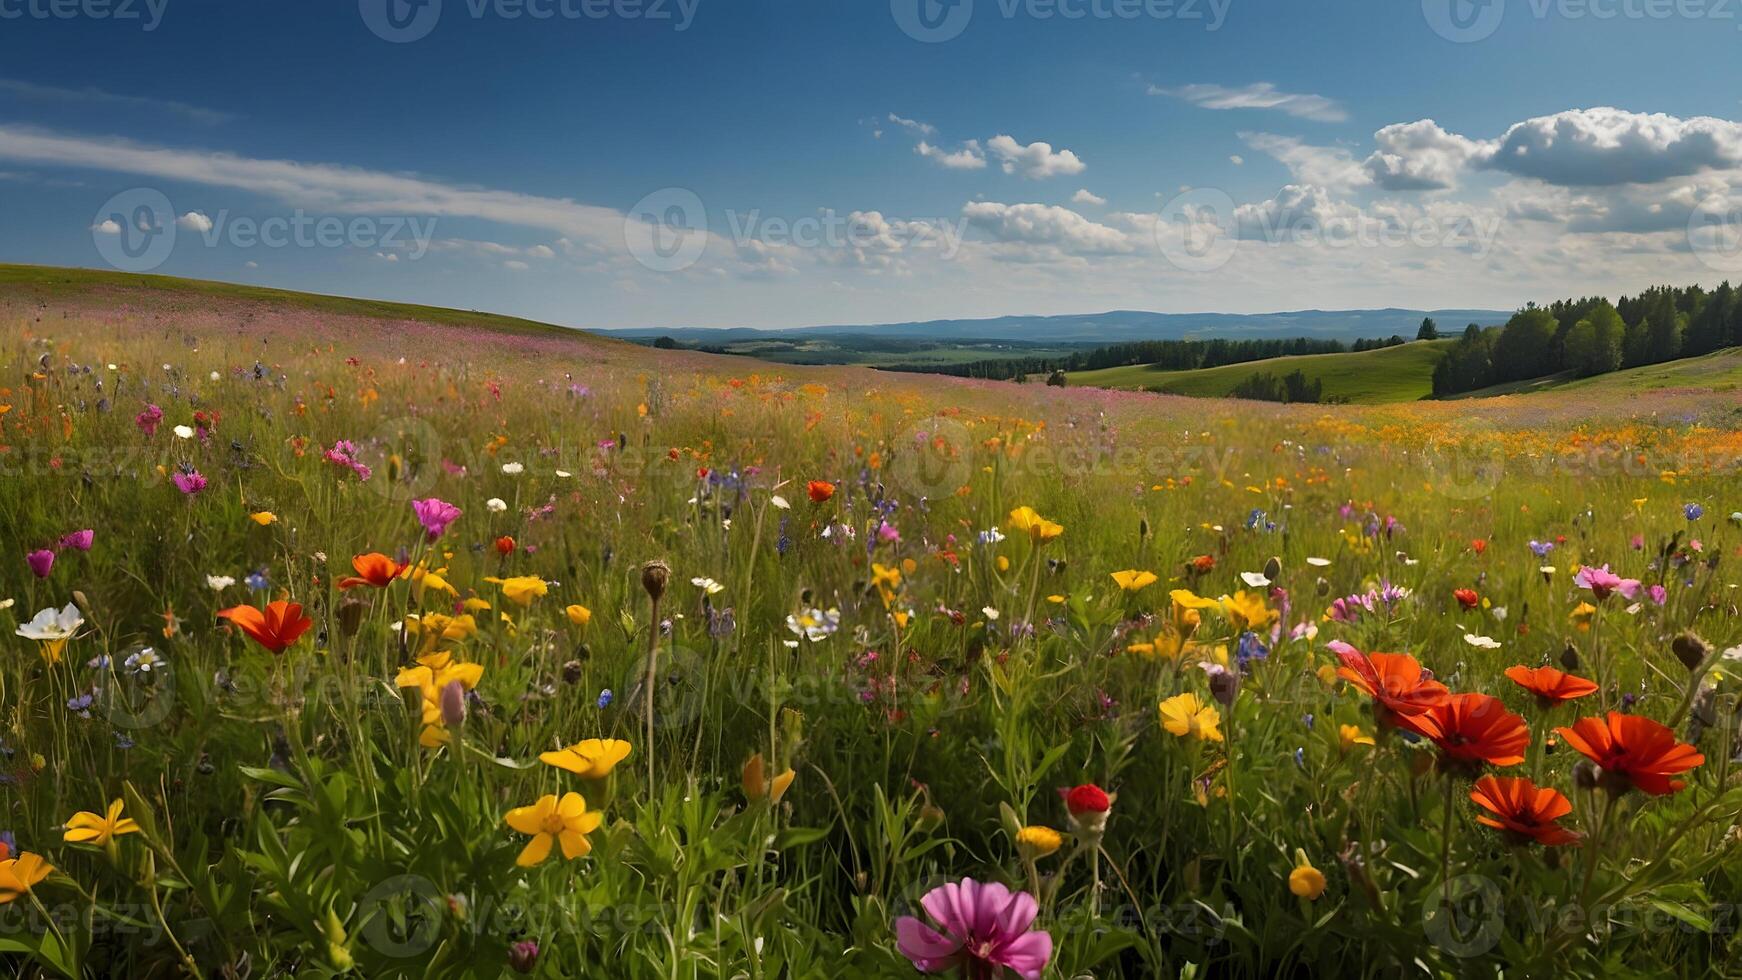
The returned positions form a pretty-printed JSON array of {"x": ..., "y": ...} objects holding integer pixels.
[
  {"x": 1717, "y": 371},
  {"x": 45, "y": 283},
  {"x": 1391, "y": 374}
]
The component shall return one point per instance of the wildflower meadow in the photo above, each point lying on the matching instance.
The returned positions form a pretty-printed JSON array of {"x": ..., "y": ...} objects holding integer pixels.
[{"x": 400, "y": 645}]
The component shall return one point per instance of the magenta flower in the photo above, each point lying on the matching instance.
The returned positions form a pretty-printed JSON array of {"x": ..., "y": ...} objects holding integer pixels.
[
  {"x": 189, "y": 482},
  {"x": 984, "y": 928},
  {"x": 1603, "y": 582},
  {"x": 435, "y": 515},
  {"x": 148, "y": 420},
  {"x": 344, "y": 453},
  {"x": 41, "y": 562},
  {"x": 78, "y": 540}
]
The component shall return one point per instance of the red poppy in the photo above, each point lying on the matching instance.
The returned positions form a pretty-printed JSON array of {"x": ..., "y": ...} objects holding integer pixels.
[
  {"x": 1633, "y": 752},
  {"x": 373, "y": 569},
  {"x": 821, "y": 490},
  {"x": 1467, "y": 598},
  {"x": 1472, "y": 729},
  {"x": 1202, "y": 563},
  {"x": 1550, "y": 686},
  {"x": 1523, "y": 810},
  {"x": 1087, "y": 798},
  {"x": 505, "y": 545},
  {"x": 275, "y": 628},
  {"x": 1395, "y": 681},
  {"x": 1479, "y": 545}
]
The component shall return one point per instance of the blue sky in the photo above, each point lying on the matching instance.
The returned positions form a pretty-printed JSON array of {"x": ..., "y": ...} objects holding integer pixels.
[{"x": 780, "y": 163}]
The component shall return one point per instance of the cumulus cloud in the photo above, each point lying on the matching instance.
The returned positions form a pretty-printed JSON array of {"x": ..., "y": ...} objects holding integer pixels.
[
  {"x": 1325, "y": 166},
  {"x": 1258, "y": 95},
  {"x": 969, "y": 157},
  {"x": 108, "y": 226},
  {"x": 1036, "y": 161},
  {"x": 1419, "y": 156},
  {"x": 1607, "y": 146},
  {"x": 1083, "y": 196},
  {"x": 194, "y": 221},
  {"x": 1046, "y": 225}
]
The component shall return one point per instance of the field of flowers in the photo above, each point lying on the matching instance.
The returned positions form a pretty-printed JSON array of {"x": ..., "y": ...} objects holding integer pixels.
[{"x": 346, "y": 646}]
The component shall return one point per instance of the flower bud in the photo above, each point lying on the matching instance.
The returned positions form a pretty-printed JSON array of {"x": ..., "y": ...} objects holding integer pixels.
[
  {"x": 350, "y": 616},
  {"x": 453, "y": 703},
  {"x": 1689, "y": 649},
  {"x": 1570, "y": 657},
  {"x": 654, "y": 576},
  {"x": 1273, "y": 568},
  {"x": 523, "y": 956}
]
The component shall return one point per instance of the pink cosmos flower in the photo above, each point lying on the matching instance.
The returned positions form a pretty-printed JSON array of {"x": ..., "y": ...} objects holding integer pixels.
[
  {"x": 1658, "y": 594},
  {"x": 983, "y": 928},
  {"x": 1603, "y": 582},
  {"x": 344, "y": 453},
  {"x": 435, "y": 515},
  {"x": 78, "y": 540},
  {"x": 148, "y": 420},
  {"x": 41, "y": 562},
  {"x": 189, "y": 482}
]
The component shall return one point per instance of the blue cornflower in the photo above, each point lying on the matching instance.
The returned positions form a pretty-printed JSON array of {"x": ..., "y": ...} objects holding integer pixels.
[{"x": 605, "y": 699}]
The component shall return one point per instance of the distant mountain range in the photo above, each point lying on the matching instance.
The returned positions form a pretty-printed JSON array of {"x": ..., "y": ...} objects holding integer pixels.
[{"x": 1114, "y": 327}]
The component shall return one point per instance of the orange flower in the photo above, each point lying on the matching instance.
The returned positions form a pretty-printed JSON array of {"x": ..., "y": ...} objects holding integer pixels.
[
  {"x": 1550, "y": 686},
  {"x": 1471, "y": 729},
  {"x": 821, "y": 490},
  {"x": 1633, "y": 752},
  {"x": 1467, "y": 598},
  {"x": 505, "y": 545},
  {"x": 1523, "y": 810},
  {"x": 1395, "y": 681},
  {"x": 275, "y": 629},
  {"x": 373, "y": 569}
]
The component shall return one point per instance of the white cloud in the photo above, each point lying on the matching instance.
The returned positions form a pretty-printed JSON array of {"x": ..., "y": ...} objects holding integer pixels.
[
  {"x": 1607, "y": 146},
  {"x": 1419, "y": 156},
  {"x": 1048, "y": 225},
  {"x": 333, "y": 187},
  {"x": 95, "y": 96},
  {"x": 107, "y": 226},
  {"x": 515, "y": 264},
  {"x": 969, "y": 157},
  {"x": 194, "y": 221},
  {"x": 1236, "y": 159},
  {"x": 1325, "y": 166},
  {"x": 913, "y": 125},
  {"x": 1258, "y": 95},
  {"x": 1035, "y": 161},
  {"x": 1085, "y": 197}
]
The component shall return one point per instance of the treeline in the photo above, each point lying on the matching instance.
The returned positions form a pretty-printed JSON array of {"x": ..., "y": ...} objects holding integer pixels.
[
  {"x": 1292, "y": 387},
  {"x": 1591, "y": 336},
  {"x": 1166, "y": 355}
]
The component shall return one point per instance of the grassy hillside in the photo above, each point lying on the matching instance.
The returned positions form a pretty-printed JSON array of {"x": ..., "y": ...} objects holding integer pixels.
[
  {"x": 1718, "y": 371},
  {"x": 1392, "y": 374},
  {"x": 48, "y": 283}
]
